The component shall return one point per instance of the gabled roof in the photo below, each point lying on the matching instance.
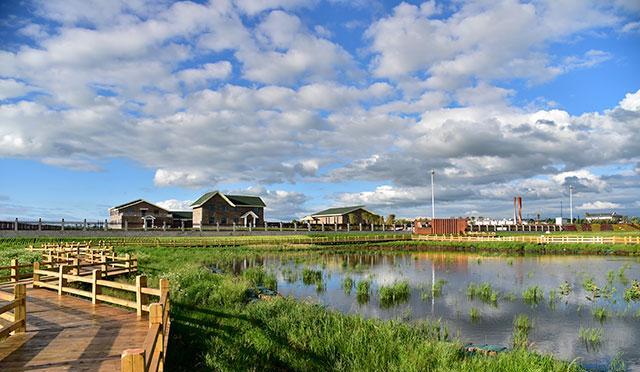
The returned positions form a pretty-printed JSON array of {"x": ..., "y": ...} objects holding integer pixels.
[
  {"x": 338, "y": 211},
  {"x": 134, "y": 202},
  {"x": 233, "y": 200}
]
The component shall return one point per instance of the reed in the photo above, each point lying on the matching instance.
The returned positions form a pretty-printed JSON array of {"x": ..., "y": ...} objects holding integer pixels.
[
  {"x": 394, "y": 294},
  {"x": 533, "y": 295}
]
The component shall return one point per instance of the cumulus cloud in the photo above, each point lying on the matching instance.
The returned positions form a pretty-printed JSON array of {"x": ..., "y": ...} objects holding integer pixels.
[
  {"x": 599, "y": 205},
  {"x": 175, "y": 205}
]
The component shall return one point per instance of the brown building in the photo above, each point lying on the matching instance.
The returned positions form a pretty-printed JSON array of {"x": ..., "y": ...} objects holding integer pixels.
[
  {"x": 442, "y": 226},
  {"x": 138, "y": 214},
  {"x": 353, "y": 215},
  {"x": 217, "y": 208}
]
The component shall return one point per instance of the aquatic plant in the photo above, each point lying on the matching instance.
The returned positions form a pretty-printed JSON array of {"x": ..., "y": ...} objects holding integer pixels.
[
  {"x": 521, "y": 328},
  {"x": 474, "y": 313},
  {"x": 533, "y": 295},
  {"x": 552, "y": 298},
  {"x": 362, "y": 291},
  {"x": 633, "y": 292},
  {"x": 290, "y": 276},
  {"x": 621, "y": 274},
  {"x": 437, "y": 287},
  {"x": 310, "y": 277},
  {"x": 257, "y": 276},
  {"x": 565, "y": 288},
  {"x": 601, "y": 314},
  {"x": 482, "y": 291},
  {"x": 591, "y": 336},
  {"x": 347, "y": 285},
  {"x": 590, "y": 286},
  {"x": 617, "y": 364},
  {"x": 510, "y": 261},
  {"x": 395, "y": 293}
]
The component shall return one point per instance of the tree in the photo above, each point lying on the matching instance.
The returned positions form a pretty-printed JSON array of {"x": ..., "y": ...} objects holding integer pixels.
[{"x": 391, "y": 219}]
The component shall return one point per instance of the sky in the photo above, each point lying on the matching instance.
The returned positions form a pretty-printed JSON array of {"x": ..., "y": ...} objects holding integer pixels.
[{"x": 312, "y": 104}]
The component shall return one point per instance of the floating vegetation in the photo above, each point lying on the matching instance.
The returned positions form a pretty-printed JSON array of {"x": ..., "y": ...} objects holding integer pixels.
[
  {"x": 347, "y": 285},
  {"x": 601, "y": 314},
  {"x": 362, "y": 291},
  {"x": 533, "y": 295},
  {"x": 394, "y": 294},
  {"x": 632, "y": 293},
  {"x": 565, "y": 288},
  {"x": 592, "y": 337},
  {"x": 474, "y": 313},
  {"x": 521, "y": 328},
  {"x": 483, "y": 291}
]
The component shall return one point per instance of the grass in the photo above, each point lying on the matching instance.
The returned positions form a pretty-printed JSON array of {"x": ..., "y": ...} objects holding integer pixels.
[
  {"x": 362, "y": 291},
  {"x": 601, "y": 314},
  {"x": 565, "y": 288},
  {"x": 216, "y": 324},
  {"x": 347, "y": 285},
  {"x": 633, "y": 292},
  {"x": 521, "y": 327},
  {"x": 533, "y": 295},
  {"x": 474, "y": 314},
  {"x": 592, "y": 337},
  {"x": 484, "y": 292},
  {"x": 394, "y": 294}
]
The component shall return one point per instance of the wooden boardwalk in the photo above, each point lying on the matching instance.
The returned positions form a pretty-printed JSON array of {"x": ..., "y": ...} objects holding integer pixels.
[{"x": 66, "y": 333}]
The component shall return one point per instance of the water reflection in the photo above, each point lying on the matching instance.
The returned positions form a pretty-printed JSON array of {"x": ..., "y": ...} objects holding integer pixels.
[{"x": 556, "y": 320}]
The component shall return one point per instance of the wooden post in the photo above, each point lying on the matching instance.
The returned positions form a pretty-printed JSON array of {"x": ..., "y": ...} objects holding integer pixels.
[
  {"x": 126, "y": 225},
  {"x": 182, "y": 225},
  {"x": 36, "y": 277},
  {"x": 62, "y": 282},
  {"x": 103, "y": 260},
  {"x": 155, "y": 317},
  {"x": 372, "y": 226},
  {"x": 360, "y": 226},
  {"x": 39, "y": 224},
  {"x": 95, "y": 289},
  {"x": 164, "y": 225},
  {"x": 20, "y": 312},
  {"x": 141, "y": 298},
  {"x": 335, "y": 226},
  {"x": 280, "y": 226},
  {"x": 348, "y": 227},
  {"x": 15, "y": 226},
  {"x": 295, "y": 226},
  {"x": 14, "y": 270},
  {"x": 106, "y": 224},
  {"x": 234, "y": 225},
  {"x": 84, "y": 225},
  {"x": 128, "y": 262},
  {"x": 323, "y": 226},
  {"x": 308, "y": 226},
  {"x": 62, "y": 224},
  {"x": 76, "y": 267},
  {"x": 265, "y": 225},
  {"x": 132, "y": 360}
]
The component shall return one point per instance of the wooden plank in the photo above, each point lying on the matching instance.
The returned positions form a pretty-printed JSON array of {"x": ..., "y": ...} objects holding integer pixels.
[
  {"x": 116, "y": 301},
  {"x": 4, "y": 332},
  {"x": 8, "y": 307}
]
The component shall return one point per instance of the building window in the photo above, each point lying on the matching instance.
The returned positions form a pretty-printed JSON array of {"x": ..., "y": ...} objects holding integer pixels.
[{"x": 143, "y": 211}]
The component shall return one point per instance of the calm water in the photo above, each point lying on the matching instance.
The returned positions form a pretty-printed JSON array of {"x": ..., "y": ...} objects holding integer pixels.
[{"x": 555, "y": 326}]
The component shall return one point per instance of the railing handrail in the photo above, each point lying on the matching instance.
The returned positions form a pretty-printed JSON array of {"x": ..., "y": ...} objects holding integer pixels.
[{"x": 17, "y": 304}]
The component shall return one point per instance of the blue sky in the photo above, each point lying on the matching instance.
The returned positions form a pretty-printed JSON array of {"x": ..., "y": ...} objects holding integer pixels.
[{"x": 311, "y": 104}]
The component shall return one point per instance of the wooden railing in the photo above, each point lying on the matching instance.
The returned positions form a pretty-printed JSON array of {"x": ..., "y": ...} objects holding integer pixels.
[
  {"x": 15, "y": 275},
  {"x": 18, "y": 318},
  {"x": 151, "y": 356},
  {"x": 59, "y": 281},
  {"x": 541, "y": 239}
]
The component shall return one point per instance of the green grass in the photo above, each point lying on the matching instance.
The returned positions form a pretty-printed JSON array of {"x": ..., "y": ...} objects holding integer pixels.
[
  {"x": 362, "y": 291},
  {"x": 394, "y": 294},
  {"x": 484, "y": 292},
  {"x": 347, "y": 285},
  {"x": 592, "y": 337},
  {"x": 533, "y": 295},
  {"x": 474, "y": 314},
  {"x": 633, "y": 292},
  {"x": 521, "y": 327},
  {"x": 601, "y": 314}
]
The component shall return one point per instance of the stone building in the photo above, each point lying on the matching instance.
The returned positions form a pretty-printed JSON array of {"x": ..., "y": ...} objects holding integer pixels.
[
  {"x": 138, "y": 214},
  {"x": 217, "y": 208},
  {"x": 343, "y": 215}
]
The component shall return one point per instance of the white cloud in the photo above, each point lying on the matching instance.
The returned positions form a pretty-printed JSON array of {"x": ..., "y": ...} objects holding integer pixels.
[
  {"x": 10, "y": 88},
  {"x": 631, "y": 101},
  {"x": 599, "y": 205},
  {"x": 175, "y": 205},
  {"x": 208, "y": 71}
]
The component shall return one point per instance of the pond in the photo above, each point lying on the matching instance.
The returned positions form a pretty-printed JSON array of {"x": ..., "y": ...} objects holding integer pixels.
[{"x": 574, "y": 305}]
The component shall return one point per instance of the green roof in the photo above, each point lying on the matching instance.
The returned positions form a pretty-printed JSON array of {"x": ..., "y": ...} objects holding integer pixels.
[
  {"x": 237, "y": 200},
  {"x": 338, "y": 211}
]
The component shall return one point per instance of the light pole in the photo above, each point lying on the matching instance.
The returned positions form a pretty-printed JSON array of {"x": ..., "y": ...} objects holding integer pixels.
[
  {"x": 433, "y": 203},
  {"x": 571, "y": 203}
]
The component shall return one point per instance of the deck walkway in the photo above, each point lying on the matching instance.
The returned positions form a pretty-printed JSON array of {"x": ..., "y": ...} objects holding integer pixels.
[{"x": 66, "y": 333}]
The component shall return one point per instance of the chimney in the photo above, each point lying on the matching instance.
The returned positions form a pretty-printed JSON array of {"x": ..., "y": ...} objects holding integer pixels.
[{"x": 520, "y": 210}]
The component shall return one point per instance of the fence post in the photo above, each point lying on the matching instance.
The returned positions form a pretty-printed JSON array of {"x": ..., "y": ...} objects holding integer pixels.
[
  {"x": 126, "y": 225},
  {"x": 323, "y": 226},
  {"x": 62, "y": 282},
  {"x": 20, "y": 312},
  {"x": 14, "y": 270},
  {"x": 15, "y": 226},
  {"x": 217, "y": 226},
  {"x": 280, "y": 226},
  {"x": 155, "y": 317},
  {"x": 62, "y": 224},
  {"x": 132, "y": 360},
  {"x": 182, "y": 225},
  {"x": 348, "y": 227},
  {"x": 95, "y": 289},
  {"x": 295, "y": 226},
  {"x": 106, "y": 225},
  {"x": 371, "y": 226},
  {"x": 103, "y": 261},
  {"x": 265, "y": 225},
  {"x": 141, "y": 298},
  {"x": 360, "y": 226},
  {"x": 234, "y": 225},
  {"x": 308, "y": 226},
  {"x": 36, "y": 277},
  {"x": 84, "y": 225},
  {"x": 128, "y": 262},
  {"x": 335, "y": 226},
  {"x": 39, "y": 224},
  {"x": 164, "y": 225},
  {"x": 76, "y": 267}
]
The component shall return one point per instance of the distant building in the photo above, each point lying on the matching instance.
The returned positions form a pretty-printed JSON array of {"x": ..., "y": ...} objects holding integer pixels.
[
  {"x": 343, "y": 215},
  {"x": 603, "y": 217},
  {"x": 138, "y": 214},
  {"x": 217, "y": 208},
  {"x": 182, "y": 219}
]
